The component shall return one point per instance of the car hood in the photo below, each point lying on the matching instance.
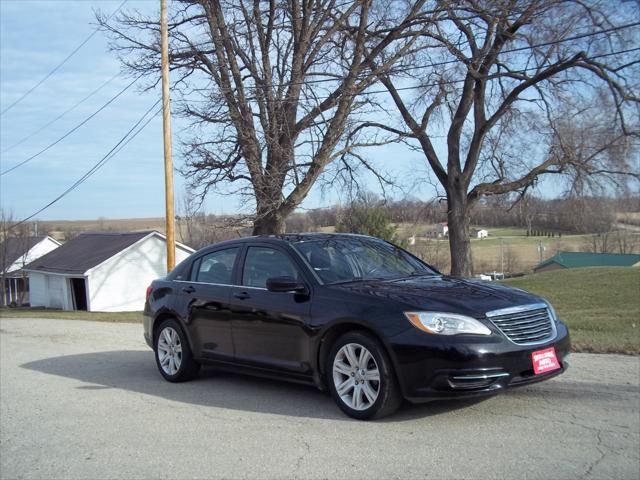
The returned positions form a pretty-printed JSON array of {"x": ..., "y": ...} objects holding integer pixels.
[{"x": 443, "y": 293}]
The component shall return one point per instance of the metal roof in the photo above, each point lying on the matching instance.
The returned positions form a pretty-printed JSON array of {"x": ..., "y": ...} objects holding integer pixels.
[{"x": 587, "y": 259}]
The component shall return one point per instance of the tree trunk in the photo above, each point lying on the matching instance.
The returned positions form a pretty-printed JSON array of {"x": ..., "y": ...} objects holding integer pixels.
[
  {"x": 271, "y": 223},
  {"x": 459, "y": 239}
]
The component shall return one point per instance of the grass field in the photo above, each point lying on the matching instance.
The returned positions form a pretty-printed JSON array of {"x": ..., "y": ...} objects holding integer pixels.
[
  {"x": 523, "y": 251},
  {"x": 508, "y": 245},
  {"x": 115, "y": 317},
  {"x": 600, "y": 305}
]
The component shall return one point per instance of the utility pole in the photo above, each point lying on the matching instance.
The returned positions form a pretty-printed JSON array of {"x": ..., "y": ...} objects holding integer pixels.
[
  {"x": 502, "y": 256},
  {"x": 166, "y": 133},
  {"x": 541, "y": 249}
]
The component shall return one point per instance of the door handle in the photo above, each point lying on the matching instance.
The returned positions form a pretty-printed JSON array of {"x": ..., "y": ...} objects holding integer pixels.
[
  {"x": 242, "y": 295},
  {"x": 189, "y": 289}
]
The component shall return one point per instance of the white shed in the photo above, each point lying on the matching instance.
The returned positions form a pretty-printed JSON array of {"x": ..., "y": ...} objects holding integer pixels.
[
  {"x": 101, "y": 272},
  {"x": 442, "y": 229},
  {"x": 15, "y": 253},
  {"x": 481, "y": 233}
]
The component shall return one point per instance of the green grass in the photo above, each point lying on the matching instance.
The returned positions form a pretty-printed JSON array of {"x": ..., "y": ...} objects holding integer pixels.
[
  {"x": 522, "y": 249},
  {"x": 115, "y": 317},
  {"x": 600, "y": 305}
]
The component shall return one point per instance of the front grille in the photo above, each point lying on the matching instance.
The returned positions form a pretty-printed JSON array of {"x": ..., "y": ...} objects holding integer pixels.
[{"x": 523, "y": 325}]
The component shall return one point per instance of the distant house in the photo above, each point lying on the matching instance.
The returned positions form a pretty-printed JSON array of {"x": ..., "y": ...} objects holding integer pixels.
[
  {"x": 585, "y": 259},
  {"x": 106, "y": 272},
  {"x": 15, "y": 253},
  {"x": 479, "y": 233},
  {"x": 441, "y": 230}
]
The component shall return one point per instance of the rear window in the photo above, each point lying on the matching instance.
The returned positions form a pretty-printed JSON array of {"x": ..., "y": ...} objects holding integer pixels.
[{"x": 181, "y": 272}]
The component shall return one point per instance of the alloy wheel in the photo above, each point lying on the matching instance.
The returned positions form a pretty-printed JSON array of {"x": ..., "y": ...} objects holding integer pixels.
[
  {"x": 169, "y": 351},
  {"x": 356, "y": 376}
]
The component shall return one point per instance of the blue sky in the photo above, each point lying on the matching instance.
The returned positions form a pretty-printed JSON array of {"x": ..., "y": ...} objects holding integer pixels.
[{"x": 34, "y": 37}]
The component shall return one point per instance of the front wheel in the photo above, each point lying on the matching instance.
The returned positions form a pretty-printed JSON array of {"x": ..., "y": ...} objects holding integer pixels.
[
  {"x": 173, "y": 355},
  {"x": 361, "y": 378}
]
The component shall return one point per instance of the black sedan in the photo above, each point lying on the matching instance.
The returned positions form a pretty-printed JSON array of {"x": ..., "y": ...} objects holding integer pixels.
[{"x": 352, "y": 314}]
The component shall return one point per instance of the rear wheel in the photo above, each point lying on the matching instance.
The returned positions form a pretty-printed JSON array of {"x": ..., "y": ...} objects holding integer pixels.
[
  {"x": 173, "y": 355},
  {"x": 360, "y": 377}
]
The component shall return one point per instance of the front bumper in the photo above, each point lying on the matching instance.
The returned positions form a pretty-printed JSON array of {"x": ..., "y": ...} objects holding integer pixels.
[{"x": 433, "y": 367}]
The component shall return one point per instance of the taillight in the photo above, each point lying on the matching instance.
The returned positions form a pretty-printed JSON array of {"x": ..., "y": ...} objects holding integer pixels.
[{"x": 149, "y": 290}]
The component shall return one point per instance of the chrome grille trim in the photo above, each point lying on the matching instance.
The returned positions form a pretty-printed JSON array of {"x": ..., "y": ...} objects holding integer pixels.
[
  {"x": 526, "y": 324},
  {"x": 481, "y": 377}
]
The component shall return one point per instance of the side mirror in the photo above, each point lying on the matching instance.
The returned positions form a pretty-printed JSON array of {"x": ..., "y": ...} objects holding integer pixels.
[{"x": 285, "y": 284}]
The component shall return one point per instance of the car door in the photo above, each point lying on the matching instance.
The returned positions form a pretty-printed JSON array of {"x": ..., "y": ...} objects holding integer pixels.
[
  {"x": 270, "y": 329},
  {"x": 208, "y": 290}
]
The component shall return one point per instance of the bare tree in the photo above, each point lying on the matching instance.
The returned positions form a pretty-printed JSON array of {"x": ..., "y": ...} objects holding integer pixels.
[
  {"x": 14, "y": 245},
  {"x": 6, "y": 220},
  {"x": 433, "y": 251},
  {"x": 505, "y": 83},
  {"x": 271, "y": 87},
  {"x": 618, "y": 241},
  {"x": 626, "y": 241},
  {"x": 511, "y": 262}
]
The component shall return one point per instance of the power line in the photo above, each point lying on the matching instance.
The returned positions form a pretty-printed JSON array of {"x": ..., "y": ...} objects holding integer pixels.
[
  {"x": 448, "y": 82},
  {"x": 450, "y": 62},
  {"x": 453, "y": 82},
  {"x": 51, "y": 122},
  {"x": 130, "y": 135},
  {"x": 537, "y": 45},
  {"x": 73, "y": 129},
  {"x": 57, "y": 67}
]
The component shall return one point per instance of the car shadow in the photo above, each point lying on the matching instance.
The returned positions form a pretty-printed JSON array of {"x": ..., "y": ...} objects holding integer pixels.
[{"x": 136, "y": 371}]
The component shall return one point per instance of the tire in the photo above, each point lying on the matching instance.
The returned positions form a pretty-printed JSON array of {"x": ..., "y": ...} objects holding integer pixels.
[
  {"x": 173, "y": 354},
  {"x": 361, "y": 395}
]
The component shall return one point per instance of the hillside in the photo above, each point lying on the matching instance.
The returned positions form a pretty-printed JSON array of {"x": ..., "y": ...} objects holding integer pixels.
[{"x": 600, "y": 305}]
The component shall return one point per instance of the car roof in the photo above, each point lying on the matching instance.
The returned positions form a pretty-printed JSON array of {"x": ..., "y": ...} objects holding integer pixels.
[{"x": 285, "y": 238}]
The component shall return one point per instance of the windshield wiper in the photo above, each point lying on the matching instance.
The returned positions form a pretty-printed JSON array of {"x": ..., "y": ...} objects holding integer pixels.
[
  {"x": 356, "y": 279},
  {"x": 414, "y": 274},
  {"x": 421, "y": 273}
]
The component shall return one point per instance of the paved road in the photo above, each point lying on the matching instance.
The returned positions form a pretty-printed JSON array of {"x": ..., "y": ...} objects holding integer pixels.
[{"x": 84, "y": 400}]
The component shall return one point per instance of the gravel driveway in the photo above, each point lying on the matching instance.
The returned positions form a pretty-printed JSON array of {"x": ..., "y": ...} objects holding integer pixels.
[{"x": 84, "y": 400}]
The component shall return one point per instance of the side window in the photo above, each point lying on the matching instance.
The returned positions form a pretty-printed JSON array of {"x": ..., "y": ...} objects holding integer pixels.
[
  {"x": 216, "y": 267},
  {"x": 262, "y": 263}
]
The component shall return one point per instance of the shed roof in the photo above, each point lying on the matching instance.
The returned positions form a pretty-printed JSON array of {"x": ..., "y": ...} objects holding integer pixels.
[
  {"x": 15, "y": 247},
  {"x": 85, "y": 251},
  {"x": 586, "y": 259}
]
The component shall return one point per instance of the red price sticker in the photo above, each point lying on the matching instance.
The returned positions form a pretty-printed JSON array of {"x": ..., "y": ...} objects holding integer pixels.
[{"x": 545, "y": 361}]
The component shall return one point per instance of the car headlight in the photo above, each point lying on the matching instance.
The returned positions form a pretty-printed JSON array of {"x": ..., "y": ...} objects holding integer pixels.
[{"x": 442, "y": 323}]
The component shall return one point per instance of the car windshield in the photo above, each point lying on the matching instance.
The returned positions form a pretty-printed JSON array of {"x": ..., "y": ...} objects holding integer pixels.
[{"x": 341, "y": 260}]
